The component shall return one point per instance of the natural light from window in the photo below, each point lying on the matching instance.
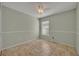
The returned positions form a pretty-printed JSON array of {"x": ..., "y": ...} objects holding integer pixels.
[{"x": 45, "y": 28}]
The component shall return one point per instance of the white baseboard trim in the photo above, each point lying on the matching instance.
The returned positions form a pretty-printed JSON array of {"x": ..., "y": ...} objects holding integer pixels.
[
  {"x": 66, "y": 44},
  {"x": 59, "y": 42},
  {"x": 25, "y": 42},
  {"x": 18, "y": 44}
]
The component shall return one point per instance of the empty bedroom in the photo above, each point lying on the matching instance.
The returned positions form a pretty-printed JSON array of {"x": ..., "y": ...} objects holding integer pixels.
[{"x": 39, "y": 28}]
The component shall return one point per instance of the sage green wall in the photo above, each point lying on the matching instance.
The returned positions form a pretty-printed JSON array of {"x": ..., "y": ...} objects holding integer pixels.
[
  {"x": 0, "y": 29},
  {"x": 63, "y": 27},
  {"x": 17, "y": 27},
  {"x": 77, "y": 28}
]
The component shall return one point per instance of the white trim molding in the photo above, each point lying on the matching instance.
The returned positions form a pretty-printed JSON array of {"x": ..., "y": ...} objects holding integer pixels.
[
  {"x": 16, "y": 32},
  {"x": 32, "y": 31},
  {"x": 72, "y": 32},
  {"x": 25, "y": 42}
]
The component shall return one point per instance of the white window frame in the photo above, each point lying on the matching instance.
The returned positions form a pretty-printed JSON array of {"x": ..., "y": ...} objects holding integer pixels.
[{"x": 43, "y": 28}]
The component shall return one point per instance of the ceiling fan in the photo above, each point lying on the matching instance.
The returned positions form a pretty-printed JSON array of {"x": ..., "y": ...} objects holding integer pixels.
[{"x": 41, "y": 8}]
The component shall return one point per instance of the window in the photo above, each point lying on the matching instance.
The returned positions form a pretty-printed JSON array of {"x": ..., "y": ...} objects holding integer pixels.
[{"x": 45, "y": 28}]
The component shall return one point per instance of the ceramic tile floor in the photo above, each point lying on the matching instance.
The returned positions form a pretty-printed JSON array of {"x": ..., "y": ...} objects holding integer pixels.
[{"x": 40, "y": 48}]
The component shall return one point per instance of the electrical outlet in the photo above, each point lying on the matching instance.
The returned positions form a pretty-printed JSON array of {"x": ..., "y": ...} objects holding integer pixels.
[{"x": 52, "y": 37}]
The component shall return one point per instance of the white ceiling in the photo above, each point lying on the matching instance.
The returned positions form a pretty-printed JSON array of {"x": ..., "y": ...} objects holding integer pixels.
[{"x": 51, "y": 7}]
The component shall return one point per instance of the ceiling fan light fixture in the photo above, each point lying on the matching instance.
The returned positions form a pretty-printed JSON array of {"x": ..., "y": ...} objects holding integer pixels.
[{"x": 40, "y": 9}]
